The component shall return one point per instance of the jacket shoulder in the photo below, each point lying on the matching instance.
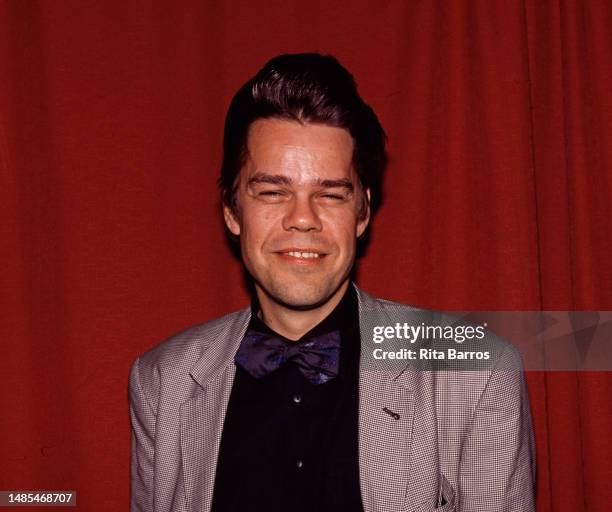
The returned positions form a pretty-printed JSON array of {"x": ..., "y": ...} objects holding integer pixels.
[
  {"x": 191, "y": 343},
  {"x": 172, "y": 359}
]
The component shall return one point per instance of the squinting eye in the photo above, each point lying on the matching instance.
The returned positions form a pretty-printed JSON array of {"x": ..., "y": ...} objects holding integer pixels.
[
  {"x": 269, "y": 193},
  {"x": 333, "y": 196}
]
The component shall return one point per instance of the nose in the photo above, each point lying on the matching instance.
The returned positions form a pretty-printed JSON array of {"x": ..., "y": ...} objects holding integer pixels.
[{"x": 301, "y": 215}]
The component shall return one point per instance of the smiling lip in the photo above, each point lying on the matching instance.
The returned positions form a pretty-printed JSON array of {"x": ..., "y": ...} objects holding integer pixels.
[{"x": 304, "y": 256}]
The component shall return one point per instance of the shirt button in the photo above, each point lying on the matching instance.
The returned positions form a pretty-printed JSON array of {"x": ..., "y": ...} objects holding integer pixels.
[
  {"x": 297, "y": 398},
  {"x": 299, "y": 464}
]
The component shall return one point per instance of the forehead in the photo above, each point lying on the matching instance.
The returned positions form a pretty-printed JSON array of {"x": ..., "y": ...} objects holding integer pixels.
[{"x": 300, "y": 151}]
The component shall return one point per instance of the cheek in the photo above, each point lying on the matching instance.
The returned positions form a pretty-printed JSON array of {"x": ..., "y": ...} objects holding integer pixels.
[
  {"x": 255, "y": 229},
  {"x": 344, "y": 231}
]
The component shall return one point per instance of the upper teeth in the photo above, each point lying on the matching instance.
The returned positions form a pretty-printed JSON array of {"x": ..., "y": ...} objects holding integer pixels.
[{"x": 297, "y": 254}]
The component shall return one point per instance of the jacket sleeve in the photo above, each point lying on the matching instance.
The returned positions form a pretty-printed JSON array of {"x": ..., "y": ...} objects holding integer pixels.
[
  {"x": 497, "y": 467},
  {"x": 143, "y": 444}
]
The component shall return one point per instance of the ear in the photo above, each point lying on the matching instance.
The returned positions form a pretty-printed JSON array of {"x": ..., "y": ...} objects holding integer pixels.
[
  {"x": 231, "y": 221},
  {"x": 362, "y": 224}
]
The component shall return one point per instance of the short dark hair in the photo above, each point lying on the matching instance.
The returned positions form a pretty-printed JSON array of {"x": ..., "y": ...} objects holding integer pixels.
[{"x": 307, "y": 88}]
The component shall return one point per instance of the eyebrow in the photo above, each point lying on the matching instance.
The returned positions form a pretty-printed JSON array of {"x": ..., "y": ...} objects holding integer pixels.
[
  {"x": 279, "y": 179},
  {"x": 272, "y": 179}
]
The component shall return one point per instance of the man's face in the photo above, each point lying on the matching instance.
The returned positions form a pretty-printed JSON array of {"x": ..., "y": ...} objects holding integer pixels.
[{"x": 298, "y": 200}]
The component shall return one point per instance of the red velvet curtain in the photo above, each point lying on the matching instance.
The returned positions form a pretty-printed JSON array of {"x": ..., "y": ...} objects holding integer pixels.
[{"x": 499, "y": 116}]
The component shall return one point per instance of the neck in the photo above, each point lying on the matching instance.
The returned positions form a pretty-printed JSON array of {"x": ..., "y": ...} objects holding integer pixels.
[{"x": 292, "y": 323}]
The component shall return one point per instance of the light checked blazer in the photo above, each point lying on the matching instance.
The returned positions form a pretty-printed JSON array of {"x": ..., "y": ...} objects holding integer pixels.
[{"x": 460, "y": 441}]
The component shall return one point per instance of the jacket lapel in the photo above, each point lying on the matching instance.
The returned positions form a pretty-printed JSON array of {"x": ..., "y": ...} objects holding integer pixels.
[
  {"x": 384, "y": 442},
  {"x": 202, "y": 415},
  {"x": 386, "y": 417}
]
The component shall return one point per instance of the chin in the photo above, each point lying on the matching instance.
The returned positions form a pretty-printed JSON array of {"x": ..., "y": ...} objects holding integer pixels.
[{"x": 299, "y": 295}]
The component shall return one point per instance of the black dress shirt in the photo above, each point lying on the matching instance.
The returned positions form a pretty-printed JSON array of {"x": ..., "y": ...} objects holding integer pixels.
[{"x": 288, "y": 444}]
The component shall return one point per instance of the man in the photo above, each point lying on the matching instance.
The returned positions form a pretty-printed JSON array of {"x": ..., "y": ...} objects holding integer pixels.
[{"x": 279, "y": 407}]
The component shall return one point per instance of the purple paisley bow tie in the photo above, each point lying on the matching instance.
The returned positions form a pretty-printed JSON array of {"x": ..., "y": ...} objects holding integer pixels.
[{"x": 317, "y": 358}]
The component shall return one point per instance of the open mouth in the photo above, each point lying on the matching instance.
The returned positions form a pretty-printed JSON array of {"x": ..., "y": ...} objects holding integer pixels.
[
  {"x": 298, "y": 254},
  {"x": 302, "y": 255}
]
